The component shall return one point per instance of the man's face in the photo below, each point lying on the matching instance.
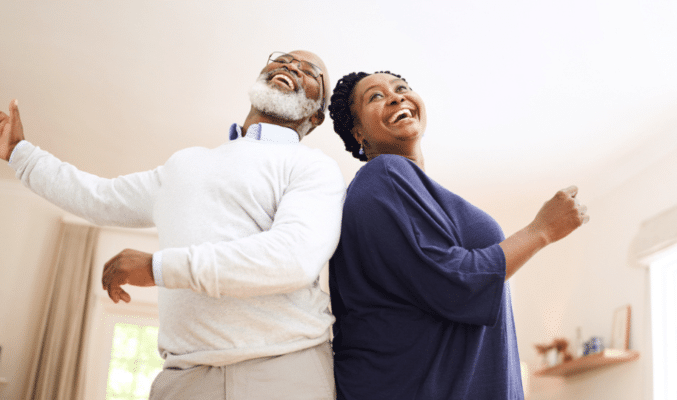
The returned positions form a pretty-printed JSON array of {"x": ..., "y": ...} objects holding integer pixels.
[
  {"x": 288, "y": 90},
  {"x": 291, "y": 76}
]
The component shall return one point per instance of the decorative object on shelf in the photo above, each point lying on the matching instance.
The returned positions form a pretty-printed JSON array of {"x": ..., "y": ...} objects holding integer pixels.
[
  {"x": 548, "y": 354},
  {"x": 592, "y": 346},
  {"x": 594, "y": 354},
  {"x": 603, "y": 359},
  {"x": 578, "y": 346},
  {"x": 563, "y": 355},
  {"x": 554, "y": 353},
  {"x": 620, "y": 333}
]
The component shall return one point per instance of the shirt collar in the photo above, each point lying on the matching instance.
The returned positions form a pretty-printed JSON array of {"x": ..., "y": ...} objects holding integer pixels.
[{"x": 265, "y": 133}]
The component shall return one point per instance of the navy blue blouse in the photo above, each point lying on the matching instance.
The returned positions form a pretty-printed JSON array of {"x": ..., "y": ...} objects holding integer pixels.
[{"x": 417, "y": 288}]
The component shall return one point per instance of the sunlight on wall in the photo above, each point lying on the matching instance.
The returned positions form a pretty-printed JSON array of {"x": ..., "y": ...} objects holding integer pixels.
[{"x": 525, "y": 378}]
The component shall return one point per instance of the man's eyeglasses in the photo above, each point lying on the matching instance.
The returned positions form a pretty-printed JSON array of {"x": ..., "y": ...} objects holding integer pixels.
[{"x": 306, "y": 67}]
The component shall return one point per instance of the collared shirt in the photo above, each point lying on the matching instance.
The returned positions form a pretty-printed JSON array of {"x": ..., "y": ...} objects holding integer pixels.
[{"x": 265, "y": 133}]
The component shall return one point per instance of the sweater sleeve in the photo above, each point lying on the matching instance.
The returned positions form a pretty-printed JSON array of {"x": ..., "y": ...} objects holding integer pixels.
[
  {"x": 285, "y": 258},
  {"x": 123, "y": 201},
  {"x": 417, "y": 251}
]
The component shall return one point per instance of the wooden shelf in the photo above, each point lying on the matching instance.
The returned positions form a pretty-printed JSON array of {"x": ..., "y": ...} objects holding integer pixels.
[{"x": 588, "y": 363}]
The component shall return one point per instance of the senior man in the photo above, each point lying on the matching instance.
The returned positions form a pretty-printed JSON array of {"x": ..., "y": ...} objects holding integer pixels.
[{"x": 244, "y": 228}]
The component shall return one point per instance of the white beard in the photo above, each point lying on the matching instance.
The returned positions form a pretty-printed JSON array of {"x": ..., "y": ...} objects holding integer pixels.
[{"x": 292, "y": 106}]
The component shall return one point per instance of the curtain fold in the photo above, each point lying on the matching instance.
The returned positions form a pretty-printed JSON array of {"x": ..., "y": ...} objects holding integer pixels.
[{"x": 58, "y": 366}]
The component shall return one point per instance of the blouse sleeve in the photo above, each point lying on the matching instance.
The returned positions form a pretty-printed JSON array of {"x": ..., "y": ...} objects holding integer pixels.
[{"x": 412, "y": 247}]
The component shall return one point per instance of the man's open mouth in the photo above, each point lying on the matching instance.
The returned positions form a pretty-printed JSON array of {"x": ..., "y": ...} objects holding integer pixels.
[{"x": 283, "y": 80}]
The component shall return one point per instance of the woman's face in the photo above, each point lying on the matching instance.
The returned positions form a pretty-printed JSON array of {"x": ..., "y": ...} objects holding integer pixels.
[{"x": 389, "y": 116}]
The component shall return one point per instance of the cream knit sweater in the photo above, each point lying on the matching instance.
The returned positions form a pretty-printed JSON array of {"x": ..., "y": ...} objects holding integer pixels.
[{"x": 244, "y": 231}]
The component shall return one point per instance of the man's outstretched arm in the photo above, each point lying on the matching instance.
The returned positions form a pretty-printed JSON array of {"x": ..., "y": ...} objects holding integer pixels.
[{"x": 122, "y": 201}]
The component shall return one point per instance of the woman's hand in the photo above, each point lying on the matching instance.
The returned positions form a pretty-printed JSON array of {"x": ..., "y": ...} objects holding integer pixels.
[
  {"x": 558, "y": 217},
  {"x": 11, "y": 130}
]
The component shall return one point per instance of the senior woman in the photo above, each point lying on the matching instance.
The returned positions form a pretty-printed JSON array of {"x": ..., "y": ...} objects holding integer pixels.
[{"x": 419, "y": 279}]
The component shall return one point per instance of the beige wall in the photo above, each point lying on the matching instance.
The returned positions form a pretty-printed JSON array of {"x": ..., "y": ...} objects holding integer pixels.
[
  {"x": 28, "y": 233},
  {"x": 579, "y": 281}
]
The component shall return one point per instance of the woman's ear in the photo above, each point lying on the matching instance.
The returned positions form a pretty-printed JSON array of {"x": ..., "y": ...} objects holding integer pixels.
[{"x": 357, "y": 133}]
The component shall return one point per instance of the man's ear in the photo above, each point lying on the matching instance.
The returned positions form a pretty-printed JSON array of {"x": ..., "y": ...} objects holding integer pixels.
[{"x": 317, "y": 119}]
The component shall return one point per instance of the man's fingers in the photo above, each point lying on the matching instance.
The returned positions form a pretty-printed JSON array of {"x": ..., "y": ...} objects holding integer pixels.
[
  {"x": 112, "y": 280},
  {"x": 105, "y": 277},
  {"x": 116, "y": 293},
  {"x": 571, "y": 190},
  {"x": 108, "y": 271},
  {"x": 14, "y": 117},
  {"x": 113, "y": 294},
  {"x": 14, "y": 109},
  {"x": 125, "y": 296},
  {"x": 4, "y": 120}
]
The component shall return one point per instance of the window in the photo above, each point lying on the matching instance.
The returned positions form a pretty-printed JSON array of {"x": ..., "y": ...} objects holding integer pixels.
[
  {"x": 134, "y": 362},
  {"x": 122, "y": 354},
  {"x": 664, "y": 325}
]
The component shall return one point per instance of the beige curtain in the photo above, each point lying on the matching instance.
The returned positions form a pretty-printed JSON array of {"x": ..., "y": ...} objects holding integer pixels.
[{"x": 57, "y": 370}]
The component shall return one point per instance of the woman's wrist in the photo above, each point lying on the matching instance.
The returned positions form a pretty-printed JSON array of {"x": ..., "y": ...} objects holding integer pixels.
[{"x": 521, "y": 246}]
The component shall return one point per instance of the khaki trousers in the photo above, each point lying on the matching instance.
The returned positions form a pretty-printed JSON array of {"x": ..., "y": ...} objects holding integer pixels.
[{"x": 305, "y": 374}]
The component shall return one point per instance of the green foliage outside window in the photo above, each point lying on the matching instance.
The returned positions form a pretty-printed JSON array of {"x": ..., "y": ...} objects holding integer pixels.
[{"x": 134, "y": 363}]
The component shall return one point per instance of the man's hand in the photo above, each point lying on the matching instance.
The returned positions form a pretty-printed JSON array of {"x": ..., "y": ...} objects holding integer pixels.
[
  {"x": 560, "y": 215},
  {"x": 11, "y": 130},
  {"x": 131, "y": 267}
]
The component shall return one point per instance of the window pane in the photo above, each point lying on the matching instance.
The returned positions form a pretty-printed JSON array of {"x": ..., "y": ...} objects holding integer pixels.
[
  {"x": 664, "y": 326},
  {"x": 134, "y": 363}
]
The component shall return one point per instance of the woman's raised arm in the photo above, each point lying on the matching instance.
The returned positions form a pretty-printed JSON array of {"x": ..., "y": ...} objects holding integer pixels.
[{"x": 558, "y": 217}]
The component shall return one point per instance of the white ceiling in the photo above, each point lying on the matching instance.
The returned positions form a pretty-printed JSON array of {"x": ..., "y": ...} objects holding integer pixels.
[{"x": 523, "y": 98}]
